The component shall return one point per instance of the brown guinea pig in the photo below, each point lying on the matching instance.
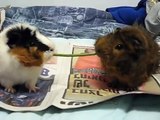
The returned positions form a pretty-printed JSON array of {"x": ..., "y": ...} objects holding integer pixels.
[{"x": 129, "y": 55}]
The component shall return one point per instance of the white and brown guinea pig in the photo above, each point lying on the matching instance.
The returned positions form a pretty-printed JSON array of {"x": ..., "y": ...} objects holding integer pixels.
[
  {"x": 129, "y": 55},
  {"x": 23, "y": 51}
]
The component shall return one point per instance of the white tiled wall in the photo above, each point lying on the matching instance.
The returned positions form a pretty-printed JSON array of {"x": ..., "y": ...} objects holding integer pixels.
[{"x": 99, "y": 4}]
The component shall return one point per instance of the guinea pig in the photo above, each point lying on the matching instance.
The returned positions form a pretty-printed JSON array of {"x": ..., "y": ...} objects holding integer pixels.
[
  {"x": 129, "y": 56},
  {"x": 23, "y": 51}
]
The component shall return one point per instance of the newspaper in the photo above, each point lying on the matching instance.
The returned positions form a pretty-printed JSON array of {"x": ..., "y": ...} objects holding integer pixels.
[{"x": 70, "y": 82}]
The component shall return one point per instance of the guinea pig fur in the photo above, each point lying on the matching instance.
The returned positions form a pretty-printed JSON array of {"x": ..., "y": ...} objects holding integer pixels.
[
  {"x": 129, "y": 55},
  {"x": 23, "y": 51}
]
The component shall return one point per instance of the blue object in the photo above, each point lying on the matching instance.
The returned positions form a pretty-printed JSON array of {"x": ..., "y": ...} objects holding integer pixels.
[{"x": 129, "y": 15}]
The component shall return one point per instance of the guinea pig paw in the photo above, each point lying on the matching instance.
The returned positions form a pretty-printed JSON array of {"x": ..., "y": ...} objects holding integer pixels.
[
  {"x": 131, "y": 89},
  {"x": 32, "y": 89},
  {"x": 117, "y": 85},
  {"x": 10, "y": 90}
]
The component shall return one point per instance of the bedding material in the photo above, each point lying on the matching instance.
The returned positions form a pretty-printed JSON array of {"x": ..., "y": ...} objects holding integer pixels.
[
  {"x": 130, "y": 107},
  {"x": 70, "y": 22},
  {"x": 66, "y": 22}
]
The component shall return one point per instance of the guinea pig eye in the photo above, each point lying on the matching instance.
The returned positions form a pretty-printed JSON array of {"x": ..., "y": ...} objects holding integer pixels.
[
  {"x": 12, "y": 46},
  {"x": 119, "y": 47},
  {"x": 32, "y": 43}
]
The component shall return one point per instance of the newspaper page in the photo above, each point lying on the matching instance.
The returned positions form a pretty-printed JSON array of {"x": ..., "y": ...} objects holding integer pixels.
[
  {"x": 85, "y": 81},
  {"x": 70, "y": 82},
  {"x": 83, "y": 78}
]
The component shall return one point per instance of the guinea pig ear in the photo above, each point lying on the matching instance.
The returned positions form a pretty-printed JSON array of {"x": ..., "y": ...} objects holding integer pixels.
[
  {"x": 136, "y": 42},
  {"x": 13, "y": 38},
  {"x": 117, "y": 29},
  {"x": 139, "y": 49}
]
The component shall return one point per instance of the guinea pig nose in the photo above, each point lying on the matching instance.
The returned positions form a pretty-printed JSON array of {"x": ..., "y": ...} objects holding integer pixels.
[
  {"x": 51, "y": 49},
  {"x": 99, "y": 52}
]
